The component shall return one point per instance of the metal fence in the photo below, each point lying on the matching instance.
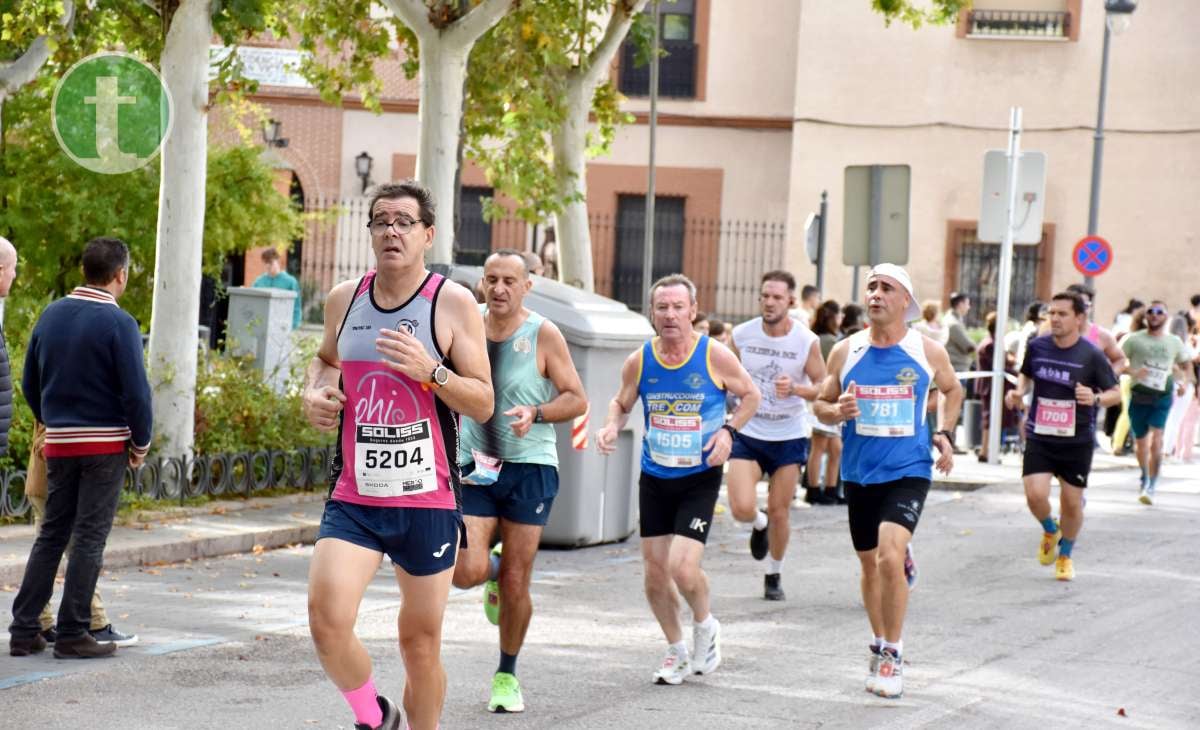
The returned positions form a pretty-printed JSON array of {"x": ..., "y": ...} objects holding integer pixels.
[
  {"x": 979, "y": 278},
  {"x": 178, "y": 479},
  {"x": 724, "y": 257}
]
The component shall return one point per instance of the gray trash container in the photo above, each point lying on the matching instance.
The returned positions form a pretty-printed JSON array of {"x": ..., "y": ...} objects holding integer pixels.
[
  {"x": 597, "y": 495},
  {"x": 260, "y": 325},
  {"x": 972, "y": 413}
]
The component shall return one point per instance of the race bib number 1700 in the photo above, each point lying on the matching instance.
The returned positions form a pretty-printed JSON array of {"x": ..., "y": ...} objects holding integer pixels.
[
  {"x": 1054, "y": 417},
  {"x": 394, "y": 461}
]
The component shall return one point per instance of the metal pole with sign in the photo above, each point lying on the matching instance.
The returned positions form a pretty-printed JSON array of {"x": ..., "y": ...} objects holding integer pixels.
[
  {"x": 875, "y": 204},
  {"x": 1005, "y": 283}
]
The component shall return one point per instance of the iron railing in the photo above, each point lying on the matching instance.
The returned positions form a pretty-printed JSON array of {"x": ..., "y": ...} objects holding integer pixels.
[
  {"x": 979, "y": 276},
  {"x": 178, "y": 479},
  {"x": 725, "y": 258},
  {"x": 1022, "y": 23}
]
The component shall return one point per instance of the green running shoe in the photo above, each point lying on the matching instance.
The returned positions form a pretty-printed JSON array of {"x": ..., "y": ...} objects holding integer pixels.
[
  {"x": 506, "y": 694},
  {"x": 491, "y": 593}
]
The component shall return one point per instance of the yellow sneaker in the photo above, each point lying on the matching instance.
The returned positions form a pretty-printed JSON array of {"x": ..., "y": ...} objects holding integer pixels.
[
  {"x": 1047, "y": 547},
  {"x": 1064, "y": 569}
]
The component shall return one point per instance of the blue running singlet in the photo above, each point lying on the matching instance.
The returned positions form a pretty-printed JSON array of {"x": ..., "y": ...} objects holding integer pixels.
[
  {"x": 684, "y": 405},
  {"x": 890, "y": 438}
]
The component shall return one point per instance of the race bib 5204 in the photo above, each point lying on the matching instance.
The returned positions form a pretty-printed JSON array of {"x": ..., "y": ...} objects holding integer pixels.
[{"x": 394, "y": 461}]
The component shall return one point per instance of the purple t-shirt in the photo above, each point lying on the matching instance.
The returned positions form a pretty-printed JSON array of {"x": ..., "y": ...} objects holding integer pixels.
[{"x": 1055, "y": 416}]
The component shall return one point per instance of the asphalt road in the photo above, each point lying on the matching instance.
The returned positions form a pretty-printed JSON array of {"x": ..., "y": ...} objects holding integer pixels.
[{"x": 992, "y": 640}]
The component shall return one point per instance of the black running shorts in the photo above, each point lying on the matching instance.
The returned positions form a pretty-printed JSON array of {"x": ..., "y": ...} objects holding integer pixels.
[
  {"x": 869, "y": 505},
  {"x": 681, "y": 506},
  {"x": 1071, "y": 463}
]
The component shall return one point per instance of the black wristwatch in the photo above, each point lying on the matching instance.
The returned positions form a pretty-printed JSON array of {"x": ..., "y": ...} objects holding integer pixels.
[
  {"x": 732, "y": 431},
  {"x": 949, "y": 437},
  {"x": 538, "y": 416}
]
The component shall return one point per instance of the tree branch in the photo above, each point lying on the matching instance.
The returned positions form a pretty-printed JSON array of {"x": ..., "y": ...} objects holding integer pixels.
[
  {"x": 414, "y": 14},
  {"x": 614, "y": 33},
  {"x": 467, "y": 29},
  {"x": 16, "y": 74}
]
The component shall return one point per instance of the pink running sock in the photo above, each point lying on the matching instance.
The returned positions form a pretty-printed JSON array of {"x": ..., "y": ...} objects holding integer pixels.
[{"x": 364, "y": 705}]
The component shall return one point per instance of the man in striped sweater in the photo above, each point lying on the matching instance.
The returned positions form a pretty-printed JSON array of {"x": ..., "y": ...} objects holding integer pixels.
[{"x": 85, "y": 379}]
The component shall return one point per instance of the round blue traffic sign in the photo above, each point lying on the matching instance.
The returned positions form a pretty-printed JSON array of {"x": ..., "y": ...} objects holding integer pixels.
[{"x": 1092, "y": 256}]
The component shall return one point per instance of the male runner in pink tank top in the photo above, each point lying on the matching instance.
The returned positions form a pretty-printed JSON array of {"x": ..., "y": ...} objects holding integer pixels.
[{"x": 403, "y": 352}]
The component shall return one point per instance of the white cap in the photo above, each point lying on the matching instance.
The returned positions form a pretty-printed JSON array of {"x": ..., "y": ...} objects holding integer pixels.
[{"x": 899, "y": 274}]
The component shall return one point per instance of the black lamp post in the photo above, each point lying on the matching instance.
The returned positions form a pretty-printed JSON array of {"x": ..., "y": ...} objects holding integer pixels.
[
  {"x": 1116, "y": 21},
  {"x": 271, "y": 133},
  {"x": 362, "y": 165}
]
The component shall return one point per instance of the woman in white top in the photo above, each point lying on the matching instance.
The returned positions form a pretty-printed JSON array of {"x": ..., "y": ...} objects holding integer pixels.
[{"x": 930, "y": 323}]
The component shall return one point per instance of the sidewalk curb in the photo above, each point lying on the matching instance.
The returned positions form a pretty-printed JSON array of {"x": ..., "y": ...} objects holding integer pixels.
[
  {"x": 185, "y": 549},
  {"x": 299, "y": 530}
]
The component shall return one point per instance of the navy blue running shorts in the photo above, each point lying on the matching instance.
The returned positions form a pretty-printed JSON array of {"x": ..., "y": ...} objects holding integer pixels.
[
  {"x": 420, "y": 541},
  {"x": 770, "y": 455},
  {"x": 524, "y": 493}
]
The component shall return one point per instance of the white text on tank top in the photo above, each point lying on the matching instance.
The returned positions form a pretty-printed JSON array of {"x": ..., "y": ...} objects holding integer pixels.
[{"x": 765, "y": 359}]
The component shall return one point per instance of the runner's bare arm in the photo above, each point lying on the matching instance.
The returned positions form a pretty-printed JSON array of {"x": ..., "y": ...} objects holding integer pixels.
[
  {"x": 736, "y": 380},
  {"x": 621, "y": 404},
  {"x": 729, "y": 369},
  {"x": 571, "y": 400},
  {"x": 950, "y": 402},
  {"x": 469, "y": 389},
  {"x": 814, "y": 368},
  {"x": 322, "y": 401},
  {"x": 1015, "y": 399},
  {"x": 826, "y": 404},
  {"x": 1109, "y": 398},
  {"x": 1113, "y": 351}
]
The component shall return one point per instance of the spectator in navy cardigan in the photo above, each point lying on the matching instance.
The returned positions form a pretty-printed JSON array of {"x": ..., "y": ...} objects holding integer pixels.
[{"x": 85, "y": 379}]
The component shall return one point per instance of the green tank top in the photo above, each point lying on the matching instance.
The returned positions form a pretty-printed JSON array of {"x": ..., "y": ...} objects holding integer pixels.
[{"x": 516, "y": 382}]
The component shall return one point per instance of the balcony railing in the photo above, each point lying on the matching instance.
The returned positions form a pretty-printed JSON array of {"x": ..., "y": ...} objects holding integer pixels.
[{"x": 1035, "y": 25}]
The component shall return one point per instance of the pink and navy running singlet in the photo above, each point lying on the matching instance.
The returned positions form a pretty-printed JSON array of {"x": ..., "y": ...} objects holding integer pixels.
[{"x": 397, "y": 442}]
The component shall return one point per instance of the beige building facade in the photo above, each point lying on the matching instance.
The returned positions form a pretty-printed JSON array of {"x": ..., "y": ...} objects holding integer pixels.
[
  {"x": 763, "y": 105},
  {"x": 937, "y": 99}
]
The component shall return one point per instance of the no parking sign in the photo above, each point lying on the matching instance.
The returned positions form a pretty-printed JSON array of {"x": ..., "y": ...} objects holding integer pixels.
[{"x": 1092, "y": 256}]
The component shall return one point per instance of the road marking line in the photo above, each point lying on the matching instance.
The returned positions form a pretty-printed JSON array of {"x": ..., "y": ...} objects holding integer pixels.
[{"x": 27, "y": 679}]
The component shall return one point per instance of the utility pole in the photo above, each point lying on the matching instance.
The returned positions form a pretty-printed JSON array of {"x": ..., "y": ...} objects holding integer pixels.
[
  {"x": 1005, "y": 284},
  {"x": 648, "y": 240}
]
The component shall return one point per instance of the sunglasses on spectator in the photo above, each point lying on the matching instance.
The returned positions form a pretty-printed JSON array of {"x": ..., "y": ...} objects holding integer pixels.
[{"x": 1156, "y": 310}]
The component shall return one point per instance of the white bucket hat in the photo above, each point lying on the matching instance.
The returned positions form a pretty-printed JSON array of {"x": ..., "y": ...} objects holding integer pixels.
[{"x": 899, "y": 274}]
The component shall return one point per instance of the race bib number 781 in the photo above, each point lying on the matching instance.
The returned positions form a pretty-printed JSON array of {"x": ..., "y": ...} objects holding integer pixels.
[{"x": 885, "y": 410}]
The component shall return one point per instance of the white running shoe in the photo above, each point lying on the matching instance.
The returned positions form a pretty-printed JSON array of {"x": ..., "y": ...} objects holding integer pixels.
[
  {"x": 674, "y": 668},
  {"x": 872, "y": 669},
  {"x": 706, "y": 648},
  {"x": 889, "y": 682}
]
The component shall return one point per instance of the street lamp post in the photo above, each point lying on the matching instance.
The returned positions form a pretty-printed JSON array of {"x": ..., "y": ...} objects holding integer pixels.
[{"x": 1116, "y": 20}]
